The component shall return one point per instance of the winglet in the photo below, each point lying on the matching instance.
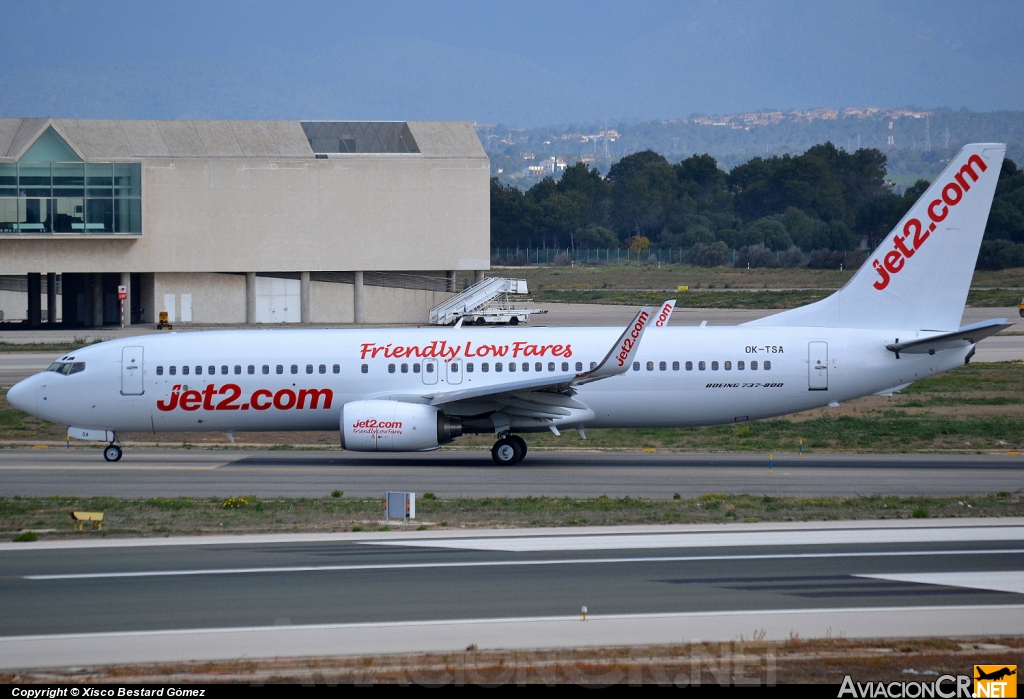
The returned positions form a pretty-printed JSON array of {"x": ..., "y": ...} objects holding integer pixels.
[
  {"x": 664, "y": 313},
  {"x": 621, "y": 355}
]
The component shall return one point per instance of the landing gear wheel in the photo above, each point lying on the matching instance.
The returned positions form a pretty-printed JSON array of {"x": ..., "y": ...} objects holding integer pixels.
[
  {"x": 522, "y": 444},
  {"x": 507, "y": 452},
  {"x": 112, "y": 453},
  {"x": 514, "y": 320}
]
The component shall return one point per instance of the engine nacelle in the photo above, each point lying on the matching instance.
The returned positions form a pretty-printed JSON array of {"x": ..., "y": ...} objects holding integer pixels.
[{"x": 391, "y": 425}]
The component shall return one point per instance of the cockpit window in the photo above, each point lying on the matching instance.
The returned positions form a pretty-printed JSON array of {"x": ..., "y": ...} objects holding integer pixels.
[{"x": 67, "y": 368}]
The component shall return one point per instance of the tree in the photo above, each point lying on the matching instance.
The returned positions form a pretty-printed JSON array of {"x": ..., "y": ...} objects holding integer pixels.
[{"x": 644, "y": 187}]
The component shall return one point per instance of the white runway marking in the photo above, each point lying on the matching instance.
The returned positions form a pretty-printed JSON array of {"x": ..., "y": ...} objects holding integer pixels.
[
  {"x": 722, "y": 539},
  {"x": 486, "y": 564},
  {"x": 997, "y": 580}
]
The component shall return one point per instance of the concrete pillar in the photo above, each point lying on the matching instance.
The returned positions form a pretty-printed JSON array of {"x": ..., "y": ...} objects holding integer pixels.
[
  {"x": 250, "y": 298},
  {"x": 478, "y": 276},
  {"x": 450, "y": 274},
  {"x": 357, "y": 297},
  {"x": 97, "y": 300},
  {"x": 126, "y": 282},
  {"x": 51, "y": 298},
  {"x": 304, "y": 297},
  {"x": 35, "y": 311}
]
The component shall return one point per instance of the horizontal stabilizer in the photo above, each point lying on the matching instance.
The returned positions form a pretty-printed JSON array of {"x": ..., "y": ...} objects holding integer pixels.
[{"x": 967, "y": 335}]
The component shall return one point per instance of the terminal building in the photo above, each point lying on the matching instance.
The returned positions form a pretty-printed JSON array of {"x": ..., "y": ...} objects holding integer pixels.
[{"x": 238, "y": 221}]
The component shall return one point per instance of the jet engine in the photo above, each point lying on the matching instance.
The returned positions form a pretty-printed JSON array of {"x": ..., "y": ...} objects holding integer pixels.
[{"x": 391, "y": 425}]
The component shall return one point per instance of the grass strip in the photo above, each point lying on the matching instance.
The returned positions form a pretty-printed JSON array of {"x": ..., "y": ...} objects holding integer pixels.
[{"x": 246, "y": 514}]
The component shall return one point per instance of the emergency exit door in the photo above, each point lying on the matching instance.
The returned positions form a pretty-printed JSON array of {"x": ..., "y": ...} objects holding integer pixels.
[
  {"x": 817, "y": 366},
  {"x": 131, "y": 371}
]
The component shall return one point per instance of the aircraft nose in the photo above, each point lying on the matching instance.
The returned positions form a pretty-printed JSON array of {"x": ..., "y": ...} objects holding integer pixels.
[{"x": 21, "y": 395}]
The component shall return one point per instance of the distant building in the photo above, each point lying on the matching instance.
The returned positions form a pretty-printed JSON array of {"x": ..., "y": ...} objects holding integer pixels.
[{"x": 238, "y": 221}]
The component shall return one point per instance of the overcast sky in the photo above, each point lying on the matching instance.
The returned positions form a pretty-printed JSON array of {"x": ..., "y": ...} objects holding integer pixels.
[{"x": 521, "y": 63}]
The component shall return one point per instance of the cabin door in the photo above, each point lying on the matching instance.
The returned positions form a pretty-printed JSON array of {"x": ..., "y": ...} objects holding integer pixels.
[{"x": 131, "y": 371}]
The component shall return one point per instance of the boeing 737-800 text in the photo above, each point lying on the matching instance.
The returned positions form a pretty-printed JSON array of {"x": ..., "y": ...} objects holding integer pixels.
[{"x": 896, "y": 321}]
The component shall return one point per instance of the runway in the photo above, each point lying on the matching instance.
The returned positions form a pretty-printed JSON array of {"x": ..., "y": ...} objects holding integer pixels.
[
  {"x": 208, "y": 473},
  {"x": 81, "y": 603}
]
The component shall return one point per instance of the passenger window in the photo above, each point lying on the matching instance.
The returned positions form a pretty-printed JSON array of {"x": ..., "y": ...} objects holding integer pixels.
[
  {"x": 469, "y": 367},
  {"x": 551, "y": 366},
  {"x": 485, "y": 367},
  {"x": 714, "y": 366},
  {"x": 430, "y": 368},
  {"x": 336, "y": 368},
  {"x": 740, "y": 365},
  {"x": 662, "y": 366},
  {"x": 675, "y": 366},
  {"x": 199, "y": 370},
  {"x": 497, "y": 366},
  {"x": 538, "y": 367},
  {"x": 184, "y": 371},
  {"x": 454, "y": 366},
  {"x": 689, "y": 366},
  {"x": 526, "y": 366},
  {"x": 364, "y": 368},
  {"x": 280, "y": 368},
  {"x": 593, "y": 365},
  {"x": 211, "y": 370},
  {"x": 323, "y": 369},
  {"x": 511, "y": 366},
  {"x": 767, "y": 365},
  {"x": 700, "y": 365},
  {"x": 416, "y": 368},
  {"x": 650, "y": 366},
  {"x": 266, "y": 368},
  {"x": 295, "y": 368},
  {"x": 172, "y": 370},
  {"x": 391, "y": 368},
  {"x": 636, "y": 366},
  {"x": 309, "y": 368},
  {"x": 728, "y": 366},
  {"x": 159, "y": 371},
  {"x": 238, "y": 369},
  {"x": 405, "y": 368},
  {"x": 753, "y": 365},
  {"x": 224, "y": 368},
  {"x": 565, "y": 366},
  {"x": 250, "y": 369},
  {"x": 579, "y": 366}
]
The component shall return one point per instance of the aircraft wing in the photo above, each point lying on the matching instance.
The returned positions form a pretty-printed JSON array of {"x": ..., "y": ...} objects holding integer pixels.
[
  {"x": 967, "y": 335},
  {"x": 615, "y": 362}
]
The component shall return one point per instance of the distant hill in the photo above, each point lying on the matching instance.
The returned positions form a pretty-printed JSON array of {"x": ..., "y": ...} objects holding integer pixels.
[{"x": 923, "y": 139}]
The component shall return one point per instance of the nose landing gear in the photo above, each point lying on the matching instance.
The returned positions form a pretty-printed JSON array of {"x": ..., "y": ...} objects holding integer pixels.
[
  {"x": 509, "y": 450},
  {"x": 112, "y": 452}
]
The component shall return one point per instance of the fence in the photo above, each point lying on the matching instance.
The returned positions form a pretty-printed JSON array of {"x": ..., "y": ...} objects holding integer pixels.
[{"x": 550, "y": 256}]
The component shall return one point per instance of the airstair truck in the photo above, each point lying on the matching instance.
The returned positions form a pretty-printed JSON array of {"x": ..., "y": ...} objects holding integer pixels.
[{"x": 485, "y": 303}]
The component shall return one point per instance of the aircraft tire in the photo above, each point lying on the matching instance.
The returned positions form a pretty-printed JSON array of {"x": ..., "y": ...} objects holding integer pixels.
[
  {"x": 507, "y": 452},
  {"x": 112, "y": 452},
  {"x": 522, "y": 444}
]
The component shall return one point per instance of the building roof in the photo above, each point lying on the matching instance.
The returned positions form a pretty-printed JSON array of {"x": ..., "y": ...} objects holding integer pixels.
[{"x": 110, "y": 139}]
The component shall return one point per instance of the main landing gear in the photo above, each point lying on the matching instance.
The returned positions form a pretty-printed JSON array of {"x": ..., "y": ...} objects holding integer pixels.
[
  {"x": 509, "y": 450},
  {"x": 112, "y": 452}
]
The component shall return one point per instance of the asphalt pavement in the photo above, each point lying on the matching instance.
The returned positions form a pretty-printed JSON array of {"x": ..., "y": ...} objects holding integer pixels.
[
  {"x": 209, "y": 473},
  {"x": 225, "y": 597}
]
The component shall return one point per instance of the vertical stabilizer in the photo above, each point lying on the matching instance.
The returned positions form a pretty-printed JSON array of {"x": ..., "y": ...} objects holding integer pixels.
[{"x": 918, "y": 278}]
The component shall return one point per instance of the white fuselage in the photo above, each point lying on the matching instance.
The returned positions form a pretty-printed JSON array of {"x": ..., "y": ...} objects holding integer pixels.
[{"x": 300, "y": 379}]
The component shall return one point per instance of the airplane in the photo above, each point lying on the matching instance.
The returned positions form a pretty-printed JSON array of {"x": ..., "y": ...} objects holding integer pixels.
[
  {"x": 995, "y": 675},
  {"x": 896, "y": 321}
]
